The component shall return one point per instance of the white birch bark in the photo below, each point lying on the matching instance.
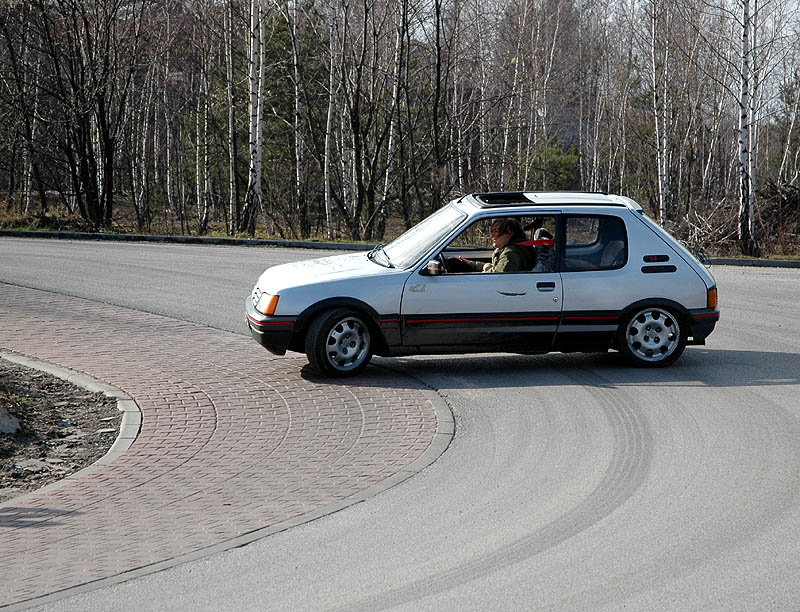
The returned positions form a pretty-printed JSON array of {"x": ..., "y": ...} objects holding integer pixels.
[
  {"x": 255, "y": 108},
  {"x": 233, "y": 204},
  {"x": 744, "y": 133},
  {"x": 660, "y": 111},
  {"x": 27, "y": 156},
  {"x": 483, "y": 127},
  {"x": 200, "y": 146},
  {"x": 382, "y": 211},
  {"x": 332, "y": 92},
  {"x": 513, "y": 96},
  {"x": 299, "y": 144}
]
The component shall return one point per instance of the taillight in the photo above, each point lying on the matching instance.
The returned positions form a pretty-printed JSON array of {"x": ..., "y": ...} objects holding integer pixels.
[{"x": 712, "y": 298}]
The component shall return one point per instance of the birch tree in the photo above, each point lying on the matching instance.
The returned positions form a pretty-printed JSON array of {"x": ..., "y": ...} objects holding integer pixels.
[
  {"x": 233, "y": 187},
  {"x": 746, "y": 234},
  {"x": 660, "y": 18},
  {"x": 333, "y": 90},
  {"x": 256, "y": 63}
]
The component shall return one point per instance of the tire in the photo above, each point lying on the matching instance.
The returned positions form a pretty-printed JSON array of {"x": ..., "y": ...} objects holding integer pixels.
[
  {"x": 652, "y": 337},
  {"x": 339, "y": 343}
]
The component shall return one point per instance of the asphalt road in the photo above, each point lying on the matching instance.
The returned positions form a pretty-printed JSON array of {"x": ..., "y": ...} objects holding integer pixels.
[{"x": 573, "y": 483}]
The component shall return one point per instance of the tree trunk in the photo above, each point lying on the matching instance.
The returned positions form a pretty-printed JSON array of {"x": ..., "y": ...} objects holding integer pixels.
[
  {"x": 399, "y": 50},
  {"x": 299, "y": 142},
  {"x": 256, "y": 79},
  {"x": 332, "y": 90},
  {"x": 746, "y": 233},
  {"x": 233, "y": 202},
  {"x": 660, "y": 111}
]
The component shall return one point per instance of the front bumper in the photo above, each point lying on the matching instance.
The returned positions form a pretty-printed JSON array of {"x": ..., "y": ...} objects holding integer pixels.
[{"x": 273, "y": 333}]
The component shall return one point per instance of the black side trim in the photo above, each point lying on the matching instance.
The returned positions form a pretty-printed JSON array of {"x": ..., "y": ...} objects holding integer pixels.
[
  {"x": 659, "y": 269},
  {"x": 590, "y": 317},
  {"x": 480, "y": 320},
  {"x": 704, "y": 314}
]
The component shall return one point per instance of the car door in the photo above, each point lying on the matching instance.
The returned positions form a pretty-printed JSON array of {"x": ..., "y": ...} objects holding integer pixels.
[
  {"x": 597, "y": 281},
  {"x": 517, "y": 311}
]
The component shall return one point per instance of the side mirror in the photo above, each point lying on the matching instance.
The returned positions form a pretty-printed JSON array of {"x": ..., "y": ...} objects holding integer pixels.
[{"x": 433, "y": 268}]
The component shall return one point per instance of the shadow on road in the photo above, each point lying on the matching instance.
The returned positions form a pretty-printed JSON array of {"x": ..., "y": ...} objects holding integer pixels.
[
  {"x": 697, "y": 367},
  {"x": 12, "y": 517}
]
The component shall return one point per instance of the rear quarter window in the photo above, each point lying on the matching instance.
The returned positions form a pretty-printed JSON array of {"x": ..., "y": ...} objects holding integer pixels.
[{"x": 594, "y": 242}]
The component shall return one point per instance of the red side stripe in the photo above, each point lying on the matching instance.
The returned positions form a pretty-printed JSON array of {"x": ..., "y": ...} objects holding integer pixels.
[{"x": 265, "y": 323}]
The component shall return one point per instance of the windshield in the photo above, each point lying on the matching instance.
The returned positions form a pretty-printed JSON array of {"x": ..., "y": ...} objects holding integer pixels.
[{"x": 406, "y": 250}]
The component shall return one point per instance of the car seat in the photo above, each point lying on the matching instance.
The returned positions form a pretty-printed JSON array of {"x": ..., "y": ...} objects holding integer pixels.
[
  {"x": 545, "y": 254},
  {"x": 613, "y": 254}
]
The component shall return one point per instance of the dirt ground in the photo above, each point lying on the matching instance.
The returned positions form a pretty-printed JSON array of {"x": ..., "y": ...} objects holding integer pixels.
[{"x": 63, "y": 428}]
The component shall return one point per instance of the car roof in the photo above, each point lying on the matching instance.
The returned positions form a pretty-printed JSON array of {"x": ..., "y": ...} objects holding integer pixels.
[{"x": 548, "y": 198}]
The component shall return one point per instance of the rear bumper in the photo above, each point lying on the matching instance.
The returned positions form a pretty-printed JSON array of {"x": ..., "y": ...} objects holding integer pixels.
[
  {"x": 273, "y": 333},
  {"x": 701, "y": 324}
]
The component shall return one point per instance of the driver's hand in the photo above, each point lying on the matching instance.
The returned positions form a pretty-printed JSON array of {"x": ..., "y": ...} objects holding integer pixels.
[{"x": 469, "y": 262}]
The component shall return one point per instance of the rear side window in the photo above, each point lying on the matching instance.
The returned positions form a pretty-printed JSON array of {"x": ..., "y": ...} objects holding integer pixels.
[{"x": 594, "y": 242}]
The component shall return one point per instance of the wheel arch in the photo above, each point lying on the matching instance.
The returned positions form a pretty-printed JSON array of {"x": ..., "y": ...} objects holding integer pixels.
[
  {"x": 678, "y": 308},
  {"x": 305, "y": 318}
]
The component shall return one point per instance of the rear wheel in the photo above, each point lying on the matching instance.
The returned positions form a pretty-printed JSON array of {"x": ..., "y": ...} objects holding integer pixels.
[
  {"x": 652, "y": 337},
  {"x": 339, "y": 343}
]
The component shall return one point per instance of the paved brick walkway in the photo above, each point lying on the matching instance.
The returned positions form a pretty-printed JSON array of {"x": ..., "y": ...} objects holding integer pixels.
[{"x": 234, "y": 444}]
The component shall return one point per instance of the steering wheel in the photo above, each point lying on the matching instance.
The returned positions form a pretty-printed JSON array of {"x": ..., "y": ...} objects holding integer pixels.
[{"x": 443, "y": 260}]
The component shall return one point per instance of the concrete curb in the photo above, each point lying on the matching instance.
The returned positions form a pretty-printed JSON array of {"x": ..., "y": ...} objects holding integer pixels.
[
  {"x": 762, "y": 263},
  {"x": 293, "y": 244},
  {"x": 445, "y": 431},
  {"x": 128, "y": 430},
  {"x": 310, "y": 244}
]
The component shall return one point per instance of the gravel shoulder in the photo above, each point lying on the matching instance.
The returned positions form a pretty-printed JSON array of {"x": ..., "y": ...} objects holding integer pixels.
[{"x": 62, "y": 429}]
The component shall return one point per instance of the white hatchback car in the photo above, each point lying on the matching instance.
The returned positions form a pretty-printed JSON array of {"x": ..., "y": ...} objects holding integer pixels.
[{"x": 590, "y": 273}]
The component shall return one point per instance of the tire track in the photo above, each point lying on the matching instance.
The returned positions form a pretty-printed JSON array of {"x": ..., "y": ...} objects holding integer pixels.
[{"x": 628, "y": 468}]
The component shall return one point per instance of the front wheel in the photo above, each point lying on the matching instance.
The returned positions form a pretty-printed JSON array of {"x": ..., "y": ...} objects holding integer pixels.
[
  {"x": 652, "y": 338},
  {"x": 338, "y": 343}
]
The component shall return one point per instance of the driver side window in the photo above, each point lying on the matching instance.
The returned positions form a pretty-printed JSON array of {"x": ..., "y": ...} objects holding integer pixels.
[{"x": 504, "y": 245}]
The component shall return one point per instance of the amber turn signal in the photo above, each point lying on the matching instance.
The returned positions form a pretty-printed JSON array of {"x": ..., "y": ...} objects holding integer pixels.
[
  {"x": 712, "y": 298},
  {"x": 271, "y": 305}
]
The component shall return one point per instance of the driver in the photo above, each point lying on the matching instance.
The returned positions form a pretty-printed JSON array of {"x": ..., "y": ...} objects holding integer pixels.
[{"x": 508, "y": 256}]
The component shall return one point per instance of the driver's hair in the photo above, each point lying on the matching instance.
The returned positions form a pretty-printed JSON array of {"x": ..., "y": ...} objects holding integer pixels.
[{"x": 508, "y": 225}]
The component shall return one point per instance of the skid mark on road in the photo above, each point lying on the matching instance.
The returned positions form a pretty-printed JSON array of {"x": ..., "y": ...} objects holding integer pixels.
[{"x": 627, "y": 470}]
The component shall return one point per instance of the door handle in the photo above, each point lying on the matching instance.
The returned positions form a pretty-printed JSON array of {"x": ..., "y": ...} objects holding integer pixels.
[{"x": 546, "y": 286}]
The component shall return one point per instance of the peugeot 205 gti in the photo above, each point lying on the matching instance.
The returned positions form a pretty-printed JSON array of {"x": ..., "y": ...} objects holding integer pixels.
[{"x": 570, "y": 272}]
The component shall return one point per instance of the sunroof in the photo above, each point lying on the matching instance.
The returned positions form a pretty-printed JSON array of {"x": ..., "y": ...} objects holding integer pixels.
[
  {"x": 499, "y": 199},
  {"x": 556, "y": 198}
]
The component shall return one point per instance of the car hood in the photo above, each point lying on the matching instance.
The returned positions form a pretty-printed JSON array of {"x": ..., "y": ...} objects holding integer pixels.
[{"x": 301, "y": 273}]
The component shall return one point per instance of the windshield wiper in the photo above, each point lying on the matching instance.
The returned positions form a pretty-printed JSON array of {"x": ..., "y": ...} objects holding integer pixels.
[{"x": 379, "y": 250}]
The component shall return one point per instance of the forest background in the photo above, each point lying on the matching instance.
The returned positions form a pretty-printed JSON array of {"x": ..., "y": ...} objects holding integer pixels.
[{"x": 354, "y": 119}]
